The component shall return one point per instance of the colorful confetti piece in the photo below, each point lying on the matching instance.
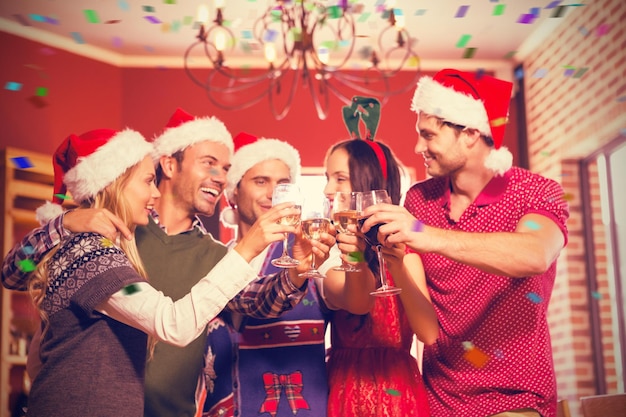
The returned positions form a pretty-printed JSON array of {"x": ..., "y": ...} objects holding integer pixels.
[
  {"x": 13, "y": 86},
  {"x": 534, "y": 297},
  {"x": 469, "y": 53},
  {"x": 22, "y": 162},
  {"x": 462, "y": 11},
  {"x": 355, "y": 257},
  {"x": 603, "y": 30},
  {"x": 476, "y": 357},
  {"x": 91, "y": 16},
  {"x": 393, "y": 392},
  {"x": 26, "y": 265},
  {"x": 596, "y": 295},
  {"x": 498, "y": 9},
  {"x": 130, "y": 289},
  {"x": 559, "y": 11},
  {"x": 532, "y": 225},
  {"x": 78, "y": 38},
  {"x": 105, "y": 242},
  {"x": 499, "y": 121},
  {"x": 152, "y": 19},
  {"x": 41, "y": 91},
  {"x": 540, "y": 73},
  {"x": 463, "y": 41},
  {"x": 28, "y": 250},
  {"x": 147, "y": 9},
  {"x": 553, "y": 4},
  {"x": 526, "y": 19}
]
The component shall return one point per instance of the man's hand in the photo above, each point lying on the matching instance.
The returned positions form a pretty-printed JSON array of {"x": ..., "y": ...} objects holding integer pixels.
[{"x": 100, "y": 221}]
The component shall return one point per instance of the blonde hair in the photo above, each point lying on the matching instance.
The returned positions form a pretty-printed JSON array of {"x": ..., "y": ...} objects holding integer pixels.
[{"x": 113, "y": 199}]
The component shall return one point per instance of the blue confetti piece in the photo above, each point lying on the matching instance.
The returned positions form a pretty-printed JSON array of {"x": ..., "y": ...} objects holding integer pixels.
[
  {"x": 13, "y": 86},
  {"x": 532, "y": 225},
  {"x": 28, "y": 250},
  {"x": 583, "y": 30},
  {"x": 270, "y": 35},
  {"x": 596, "y": 295},
  {"x": 519, "y": 73},
  {"x": 534, "y": 297},
  {"x": 123, "y": 4},
  {"x": 535, "y": 11},
  {"x": 22, "y": 162},
  {"x": 553, "y": 4},
  {"x": 37, "y": 18},
  {"x": 78, "y": 38}
]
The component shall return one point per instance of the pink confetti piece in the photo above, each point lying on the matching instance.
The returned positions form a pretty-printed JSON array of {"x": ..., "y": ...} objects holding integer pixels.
[{"x": 603, "y": 30}]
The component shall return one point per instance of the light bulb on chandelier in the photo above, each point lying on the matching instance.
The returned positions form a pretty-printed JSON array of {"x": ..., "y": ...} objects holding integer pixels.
[{"x": 306, "y": 42}]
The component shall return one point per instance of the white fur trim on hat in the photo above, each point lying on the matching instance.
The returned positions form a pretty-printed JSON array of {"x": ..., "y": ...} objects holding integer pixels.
[
  {"x": 499, "y": 160},
  {"x": 450, "y": 105},
  {"x": 48, "y": 211},
  {"x": 229, "y": 217},
  {"x": 178, "y": 138},
  {"x": 94, "y": 172},
  {"x": 262, "y": 150}
]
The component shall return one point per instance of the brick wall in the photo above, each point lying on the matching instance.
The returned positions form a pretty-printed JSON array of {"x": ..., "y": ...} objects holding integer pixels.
[{"x": 572, "y": 111}]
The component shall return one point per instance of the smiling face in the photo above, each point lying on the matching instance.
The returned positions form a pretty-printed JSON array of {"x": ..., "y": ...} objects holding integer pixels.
[
  {"x": 253, "y": 194},
  {"x": 337, "y": 173},
  {"x": 141, "y": 192},
  {"x": 440, "y": 145},
  {"x": 198, "y": 180}
]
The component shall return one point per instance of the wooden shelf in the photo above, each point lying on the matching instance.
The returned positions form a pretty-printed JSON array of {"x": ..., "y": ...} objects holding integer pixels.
[{"x": 24, "y": 189}]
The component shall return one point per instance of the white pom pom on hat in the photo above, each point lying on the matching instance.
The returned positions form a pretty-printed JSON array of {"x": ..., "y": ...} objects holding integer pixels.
[{"x": 472, "y": 100}]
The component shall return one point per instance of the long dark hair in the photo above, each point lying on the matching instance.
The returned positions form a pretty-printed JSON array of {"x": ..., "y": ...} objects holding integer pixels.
[{"x": 366, "y": 174}]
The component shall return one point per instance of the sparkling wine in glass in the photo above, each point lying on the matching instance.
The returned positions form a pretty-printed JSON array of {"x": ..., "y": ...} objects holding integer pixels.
[
  {"x": 344, "y": 214},
  {"x": 365, "y": 200},
  {"x": 282, "y": 193},
  {"x": 315, "y": 221}
]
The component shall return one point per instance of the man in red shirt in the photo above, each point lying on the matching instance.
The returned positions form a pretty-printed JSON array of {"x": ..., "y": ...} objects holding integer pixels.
[{"x": 489, "y": 235}]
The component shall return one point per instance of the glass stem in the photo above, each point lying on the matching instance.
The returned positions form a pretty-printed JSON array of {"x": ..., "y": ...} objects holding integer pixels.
[
  {"x": 312, "y": 259},
  {"x": 381, "y": 267},
  {"x": 285, "y": 243}
]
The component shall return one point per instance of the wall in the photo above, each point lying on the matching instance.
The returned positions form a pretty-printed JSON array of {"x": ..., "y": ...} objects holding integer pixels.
[{"x": 568, "y": 118}]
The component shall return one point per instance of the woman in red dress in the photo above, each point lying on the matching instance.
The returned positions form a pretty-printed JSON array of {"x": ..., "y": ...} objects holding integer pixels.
[{"x": 371, "y": 370}]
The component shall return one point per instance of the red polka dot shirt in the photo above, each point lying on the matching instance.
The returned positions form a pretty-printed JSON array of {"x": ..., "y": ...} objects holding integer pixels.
[{"x": 493, "y": 352}]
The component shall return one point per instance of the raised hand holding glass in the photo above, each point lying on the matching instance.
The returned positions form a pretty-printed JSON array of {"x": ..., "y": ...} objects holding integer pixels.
[
  {"x": 344, "y": 214},
  {"x": 282, "y": 193},
  {"x": 365, "y": 200},
  {"x": 315, "y": 221}
]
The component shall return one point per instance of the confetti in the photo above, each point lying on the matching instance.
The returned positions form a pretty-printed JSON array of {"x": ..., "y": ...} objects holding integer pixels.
[
  {"x": 569, "y": 72},
  {"x": 147, "y": 9},
  {"x": 130, "y": 289},
  {"x": 13, "y": 86},
  {"x": 169, "y": 1},
  {"x": 334, "y": 12},
  {"x": 105, "y": 242},
  {"x": 152, "y": 19},
  {"x": 112, "y": 22},
  {"x": 540, "y": 73},
  {"x": 26, "y": 265},
  {"x": 462, "y": 11},
  {"x": 41, "y": 91},
  {"x": 356, "y": 257},
  {"x": 364, "y": 17},
  {"x": 393, "y": 392},
  {"x": 534, "y": 297},
  {"x": 596, "y": 295},
  {"x": 499, "y": 121},
  {"x": 510, "y": 55},
  {"x": 532, "y": 225},
  {"x": 553, "y": 4},
  {"x": 28, "y": 250},
  {"x": 418, "y": 226},
  {"x": 476, "y": 357},
  {"x": 117, "y": 41},
  {"x": 37, "y": 18},
  {"x": 545, "y": 153},
  {"x": 77, "y": 38},
  {"x": 559, "y": 11},
  {"x": 91, "y": 16},
  {"x": 603, "y": 30},
  {"x": 568, "y": 196},
  {"x": 498, "y": 10},
  {"x": 420, "y": 12},
  {"x": 583, "y": 30},
  {"x": 580, "y": 72},
  {"x": 469, "y": 53},
  {"x": 123, "y": 4},
  {"x": 22, "y": 162},
  {"x": 62, "y": 196},
  {"x": 463, "y": 41},
  {"x": 526, "y": 19},
  {"x": 270, "y": 35}
]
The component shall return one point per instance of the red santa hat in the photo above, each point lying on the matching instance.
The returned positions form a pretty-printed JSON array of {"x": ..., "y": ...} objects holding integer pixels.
[
  {"x": 249, "y": 151},
  {"x": 473, "y": 100},
  {"x": 84, "y": 165},
  {"x": 183, "y": 130}
]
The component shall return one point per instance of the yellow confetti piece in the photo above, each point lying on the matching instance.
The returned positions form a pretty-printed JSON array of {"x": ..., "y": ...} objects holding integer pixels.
[
  {"x": 499, "y": 121},
  {"x": 356, "y": 257},
  {"x": 107, "y": 243}
]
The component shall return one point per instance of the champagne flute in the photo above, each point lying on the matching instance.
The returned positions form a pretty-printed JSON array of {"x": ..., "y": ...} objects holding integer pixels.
[
  {"x": 365, "y": 200},
  {"x": 345, "y": 214},
  {"x": 315, "y": 221},
  {"x": 282, "y": 193}
]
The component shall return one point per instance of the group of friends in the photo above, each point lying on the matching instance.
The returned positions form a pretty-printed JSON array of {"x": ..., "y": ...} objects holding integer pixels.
[{"x": 145, "y": 313}]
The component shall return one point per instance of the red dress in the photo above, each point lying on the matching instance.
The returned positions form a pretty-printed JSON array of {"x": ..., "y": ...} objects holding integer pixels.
[{"x": 370, "y": 369}]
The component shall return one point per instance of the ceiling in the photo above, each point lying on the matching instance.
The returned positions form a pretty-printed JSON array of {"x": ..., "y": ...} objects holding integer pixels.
[{"x": 157, "y": 32}]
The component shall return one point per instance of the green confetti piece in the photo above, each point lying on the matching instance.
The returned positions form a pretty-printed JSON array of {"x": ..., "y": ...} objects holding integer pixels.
[
  {"x": 469, "y": 53},
  {"x": 91, "y": 16},
  {"x": 62, "y": 196},
  {"x": 463, "y": 41},
  {"x": 532, "y": 225},
  {"x": 148, "y": 9},
  {"x": 393, "y": 392},
  {"x": 356, "y": 257},
  {"x": 187, "y": 20},
  {"x": 41, "y": 91},
  {"x": 169, "y": 1},
  {"x": 27, "y": 265},
  {"x": 364, "y": 17},
  {"x": 130, "y": 289},
  {"x": 335, "y": 12},
  {"x": 498, "y": 9},
  {"x": 580, "y": 72},
  {"x": 596, "y": 295}
]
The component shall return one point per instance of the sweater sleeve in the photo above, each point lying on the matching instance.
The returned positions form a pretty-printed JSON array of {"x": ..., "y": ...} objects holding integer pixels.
[{"x": 179, "y": 323}]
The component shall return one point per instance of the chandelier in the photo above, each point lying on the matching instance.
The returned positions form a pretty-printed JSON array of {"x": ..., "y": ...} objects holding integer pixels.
[{"x": 307, "y": 45}]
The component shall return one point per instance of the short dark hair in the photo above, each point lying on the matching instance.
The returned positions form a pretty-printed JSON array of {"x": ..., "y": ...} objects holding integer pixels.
[{"x": 178, "y": 155}]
